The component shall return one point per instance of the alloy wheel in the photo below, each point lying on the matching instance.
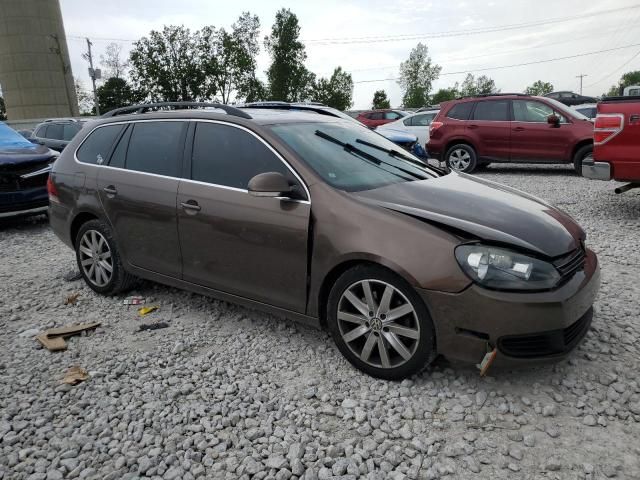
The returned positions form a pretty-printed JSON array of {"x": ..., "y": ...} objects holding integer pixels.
[
  {"x": 378, "y": 323},
  {"x": 459, "y": 159},
  {"x": 95, "y": 258}
]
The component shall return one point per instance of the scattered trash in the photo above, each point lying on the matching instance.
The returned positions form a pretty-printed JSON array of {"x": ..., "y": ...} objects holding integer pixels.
[
  {"x": 72, "y": 298},
  {"x": 134, "y": 301},
  {"x": 32, "y": 332},
  {"x": 72, "y": 276},
  {"x": 75, "y": 375},
  {"x": 53, "y": 338},
  {"x": 153, "y": 326},
  {"x": 146, "y": 310},
  {"x": 487, "y": 361}
]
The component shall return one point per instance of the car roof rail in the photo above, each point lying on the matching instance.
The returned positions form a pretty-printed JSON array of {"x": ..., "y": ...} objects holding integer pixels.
[
  {"x": 61, "y": 119},
  {"x": 144, "y": 107},
  {"x": 317, "y": 108},
  {"x": 482, "y": 95}
]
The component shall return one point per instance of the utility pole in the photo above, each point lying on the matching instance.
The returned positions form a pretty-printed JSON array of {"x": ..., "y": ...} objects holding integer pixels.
[
  {"x": 95, "y": 74},
  {"x": 581, "y": 76}
]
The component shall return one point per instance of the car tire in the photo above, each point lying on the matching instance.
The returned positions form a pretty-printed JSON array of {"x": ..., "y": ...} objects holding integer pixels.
[
  {"x": 461, "y": 158},
  {"x": 380, "y": 346},
  {"x": 580, "y": 156},
  {"x": 96, "y": 253}
]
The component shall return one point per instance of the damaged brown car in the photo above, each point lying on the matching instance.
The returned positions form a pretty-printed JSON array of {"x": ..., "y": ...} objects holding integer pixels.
[{"x": 312, "y": 217}]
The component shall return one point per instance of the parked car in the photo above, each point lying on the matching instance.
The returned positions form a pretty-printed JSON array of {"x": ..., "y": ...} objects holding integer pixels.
[
  {"x": 631, "y": 91},
  {"x": 24, "y": 169},
  {"x": 589, "y": 110},
  {"x": 375, "y": 118},
  {"x": 475, "y": 131},
  {"x": 414, "y": 123},
  {"x": 319, "y": 219},
  {"x": 570, "y": 98},
  {"x": 56, "y": 133},
  {"x": 616, "y": 139}
]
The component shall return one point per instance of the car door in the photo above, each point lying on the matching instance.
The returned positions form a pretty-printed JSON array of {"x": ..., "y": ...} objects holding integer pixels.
[
  {"x": 489, "y": 128},
  {"x": 253, "y": 247},
  {"x": 533, "y": 138},
  {"x": 138, "y": 190}
]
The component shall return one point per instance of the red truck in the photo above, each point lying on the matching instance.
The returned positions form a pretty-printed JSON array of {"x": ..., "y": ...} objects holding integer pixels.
[{"x": 616, "y": 143}]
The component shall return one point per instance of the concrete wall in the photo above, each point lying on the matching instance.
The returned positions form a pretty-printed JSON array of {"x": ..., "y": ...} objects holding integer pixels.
[{"x": 35, "y": 71}]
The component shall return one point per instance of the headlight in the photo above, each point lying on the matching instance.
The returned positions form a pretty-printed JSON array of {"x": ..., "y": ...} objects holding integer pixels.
[{"x": 502, "y": 269}]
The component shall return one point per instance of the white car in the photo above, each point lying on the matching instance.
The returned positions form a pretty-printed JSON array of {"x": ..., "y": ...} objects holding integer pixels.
[
  {"x": 589, "y": 110},
  {"x": 414, "y": 123}
]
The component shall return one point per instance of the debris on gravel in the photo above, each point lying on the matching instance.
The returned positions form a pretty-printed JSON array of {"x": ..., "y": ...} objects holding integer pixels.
[{"x": 224, "y": 392}]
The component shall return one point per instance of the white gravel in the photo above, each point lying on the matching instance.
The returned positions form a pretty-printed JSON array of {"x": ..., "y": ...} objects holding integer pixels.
[{"x": 226, "y": 392}]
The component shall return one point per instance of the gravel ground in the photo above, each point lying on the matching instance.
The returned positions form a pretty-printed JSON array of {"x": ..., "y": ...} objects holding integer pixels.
[{"x": 227, "y": 392}]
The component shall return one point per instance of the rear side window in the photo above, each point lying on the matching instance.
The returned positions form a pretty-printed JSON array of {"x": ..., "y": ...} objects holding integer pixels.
[
  {"x": 54, "y": 131},
  {"x": 97, "y": 146},
  {"x": 493, "y": 110},
  {"x": 229, "y": 156},
  {"x": 155, "y": 147},
  {"x": 460, "y": 111},
  {"x": 119, "y": 155}
]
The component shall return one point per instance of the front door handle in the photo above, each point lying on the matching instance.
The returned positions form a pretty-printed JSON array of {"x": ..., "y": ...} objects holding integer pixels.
[
  {"x": 110, "y": 190},
  {"x": 473, "y": 126},
  {"x": 191, "y": 205},
  {"x": 518, "y": 129}
]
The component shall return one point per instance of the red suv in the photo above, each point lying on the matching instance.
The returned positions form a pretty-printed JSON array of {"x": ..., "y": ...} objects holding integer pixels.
[
  {"x": 375, "y": 118},
  {"x": 475, "y": 131}
]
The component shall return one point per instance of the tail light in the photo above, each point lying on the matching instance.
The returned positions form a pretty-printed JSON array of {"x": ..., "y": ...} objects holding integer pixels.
[
  {"x": 434, "y": 126},
  {"x": 52, "y": 191},
  {"x": 606, "y": 127}
]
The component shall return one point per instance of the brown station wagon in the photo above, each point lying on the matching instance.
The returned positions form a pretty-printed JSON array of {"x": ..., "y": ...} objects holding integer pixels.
[{"x": 309, "y": 216}]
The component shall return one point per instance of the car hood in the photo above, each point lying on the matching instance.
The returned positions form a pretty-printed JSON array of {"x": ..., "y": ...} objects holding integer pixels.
[
  {"x": 24, "y": 154},
  {"x": 483, "y": 209}
]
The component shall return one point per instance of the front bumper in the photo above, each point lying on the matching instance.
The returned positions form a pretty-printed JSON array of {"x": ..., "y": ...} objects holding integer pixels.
[
  {"x": 596, "y": 170},
  {"x": 525, "y": 327},
  {"x": 23, "y": 202}
]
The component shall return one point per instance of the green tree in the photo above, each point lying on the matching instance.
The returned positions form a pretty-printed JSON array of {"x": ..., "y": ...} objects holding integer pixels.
[
  {"x": 288, "y": 78},
  {"x": 3, "y": 109},
  {"x": 482, "y": 85},
  {"x": 445, "y": 94},
  {"x": 166, "y": 65},
  {"x": 380, "y": 100},
  {"x": 417, "y": 75},
  {"x": 229, "y": 58},
  {"x": 112, "y": 62},
  {"x": 539, "y": 88},
  {"x": 115, "y": 93},
  {"x": 336, "y": 91},
  {"x": 626, "y": 80}
]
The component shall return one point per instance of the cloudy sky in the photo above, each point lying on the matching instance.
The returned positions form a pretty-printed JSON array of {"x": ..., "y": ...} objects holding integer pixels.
[{"x": 371, "y": 38}]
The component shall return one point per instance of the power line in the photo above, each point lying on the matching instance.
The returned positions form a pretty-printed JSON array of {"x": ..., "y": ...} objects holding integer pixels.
[
  {"x": 516, "y": 64},
  {"x": 616, "y": 70}
]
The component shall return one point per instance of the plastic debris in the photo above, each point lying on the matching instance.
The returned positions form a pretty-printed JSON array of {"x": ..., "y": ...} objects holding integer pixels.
[
  {"x": 53, "y": 338},
  {"x": 153, "y": 326},
  {"x": 72, "y": 298},
  {"x": 487, "y": 361},
  {"x": 32, "y": 332},
  {"x": 146, "y": 310},
  {"x": 134, "y": 300},
  {"x": 75, "y": 375}
]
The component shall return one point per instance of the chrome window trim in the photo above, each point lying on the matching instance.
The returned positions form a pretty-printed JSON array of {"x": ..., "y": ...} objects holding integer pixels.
[{"x": 225, "y": 187}]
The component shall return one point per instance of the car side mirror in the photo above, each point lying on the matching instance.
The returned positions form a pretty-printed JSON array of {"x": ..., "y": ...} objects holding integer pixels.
[
  {"x": 270, "y": 184},
  {"x": 553, "y": 120}
]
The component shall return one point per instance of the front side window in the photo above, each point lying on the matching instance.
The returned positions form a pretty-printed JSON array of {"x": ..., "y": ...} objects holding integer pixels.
[
  {"x": 156, "y": 147},
  {"x": 97, "y": 146},
  {"x": 492, "y": 111},
  {"x": 377, "y": 116},
  {"x": 391, "y": 115},
  {"x": 423, "y": 120},
  {"x": 54, "y": 131},
  {"x": 69, "y": 131},
  {"x": 229, "y": 156},
  {"x": 350, "y": 157},
  {"x": 531, "y": 111}
]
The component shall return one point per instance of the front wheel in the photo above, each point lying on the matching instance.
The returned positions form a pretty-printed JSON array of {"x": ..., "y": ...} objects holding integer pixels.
[
  {"x": 583, "y": 154},
  {"x": 380, "y": 324},
  {"x": 461, "y": 158}
]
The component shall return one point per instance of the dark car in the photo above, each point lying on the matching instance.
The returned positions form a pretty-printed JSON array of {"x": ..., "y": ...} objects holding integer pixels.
[
  {"x": 475, "y": 131},
  {"x": 570, "y": 98},
  {"x": 324, "y": 221},
  {"x": 24, "y": 169},
  {"x": 375, "y": 118},
  {"x": 56, "y": 133}
]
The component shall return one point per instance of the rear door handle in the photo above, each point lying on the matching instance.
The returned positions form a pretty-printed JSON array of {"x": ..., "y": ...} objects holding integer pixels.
[
  {"x": 518, "y": 129},
  {"x": 110, "y": 190},
  {"x": 634, "y": 118},
  {"x": 191, "y": 205}
]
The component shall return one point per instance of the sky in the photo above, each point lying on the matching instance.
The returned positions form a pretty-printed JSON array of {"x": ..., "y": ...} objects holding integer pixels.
[{"x": 369, "y": 39}]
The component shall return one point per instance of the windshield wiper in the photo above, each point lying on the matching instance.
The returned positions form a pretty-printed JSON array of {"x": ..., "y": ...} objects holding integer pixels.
[
  {"x": 395, "y": 153},
  {"x": 367, "y": 156}
]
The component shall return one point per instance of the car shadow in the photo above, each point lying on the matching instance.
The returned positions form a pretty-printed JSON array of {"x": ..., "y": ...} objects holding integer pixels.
[
  {"x": 529, "y": 169},
  {"x": 32, "y": 222}
]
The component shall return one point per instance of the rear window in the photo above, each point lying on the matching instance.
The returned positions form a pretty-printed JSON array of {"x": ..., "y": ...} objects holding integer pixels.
[
  {"x": 97, "y": 146},
  {"x": 493, "y": 110},
  {"x": 460, "y": 111}
]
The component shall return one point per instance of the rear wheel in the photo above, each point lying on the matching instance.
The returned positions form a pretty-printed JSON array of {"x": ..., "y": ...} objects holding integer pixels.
[
  {"x": 380, "y": 324},
  {"x": 461, "y": 158},
  {"x": 583, "y": 153}
]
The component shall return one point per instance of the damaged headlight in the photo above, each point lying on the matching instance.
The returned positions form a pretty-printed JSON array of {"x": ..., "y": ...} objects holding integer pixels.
[{"x": 502, "y": 269}]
